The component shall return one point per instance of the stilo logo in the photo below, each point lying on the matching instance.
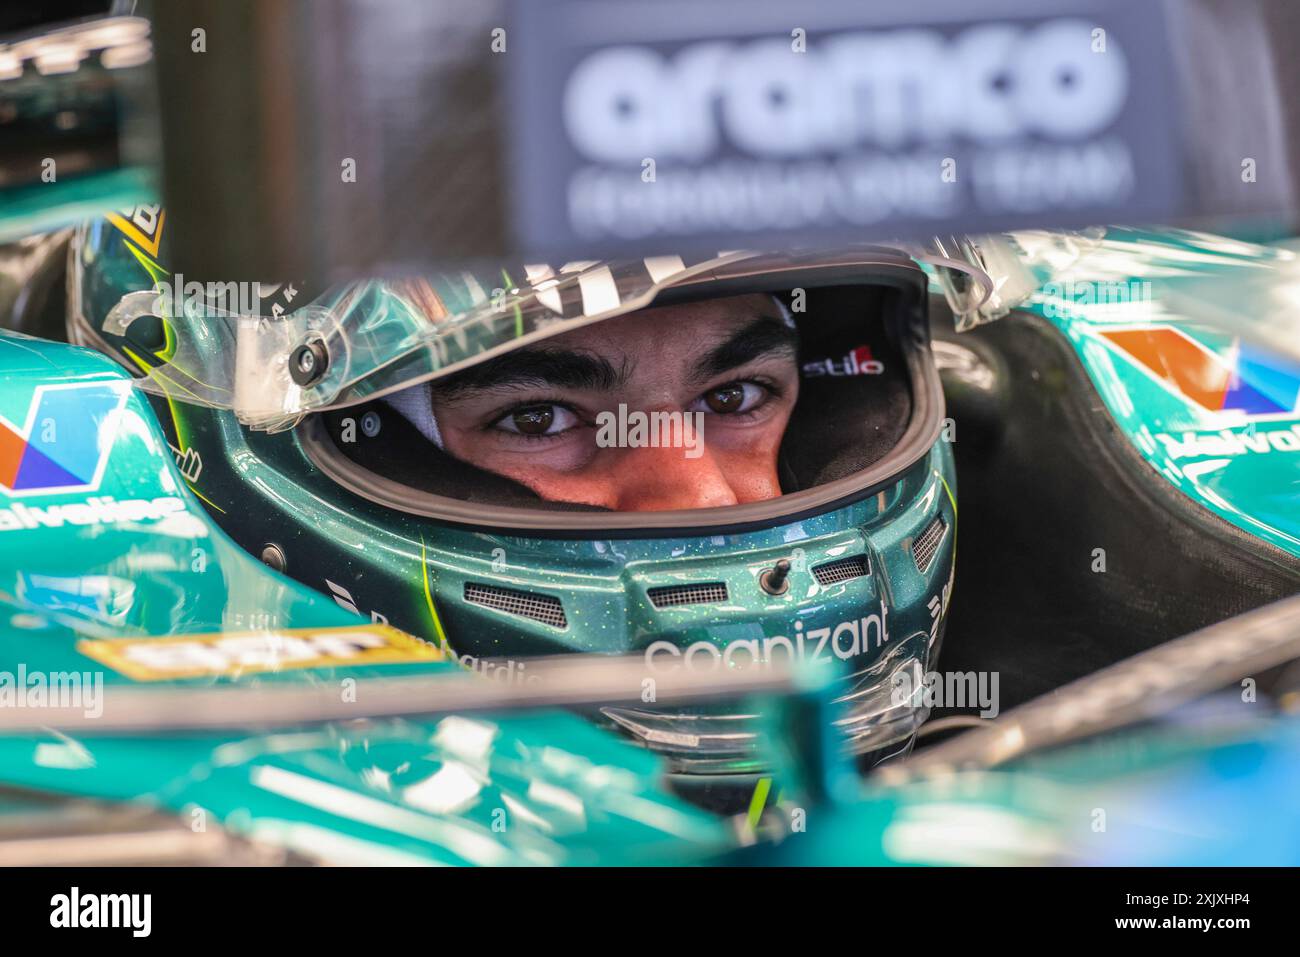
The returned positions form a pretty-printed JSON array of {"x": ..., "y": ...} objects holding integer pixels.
[
  {"x": 64, "y": 444},
  {"x": 857, "y": 362}
]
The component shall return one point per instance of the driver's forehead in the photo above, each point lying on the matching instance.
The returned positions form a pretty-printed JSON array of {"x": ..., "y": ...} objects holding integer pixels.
[{"x": 685, "y": 327}]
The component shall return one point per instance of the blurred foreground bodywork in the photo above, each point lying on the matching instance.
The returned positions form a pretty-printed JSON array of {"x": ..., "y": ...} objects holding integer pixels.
[
  {"x": 109, "y": 566},
  {"x": 558, "y": 789},
  {"x": 144, "y": 561},
  {"x": 85, "y": 584}
]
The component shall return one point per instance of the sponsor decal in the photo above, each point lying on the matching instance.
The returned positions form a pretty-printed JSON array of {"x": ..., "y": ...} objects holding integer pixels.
[
  {"x": 97, "y": 510},
  {"x": 188, "y": 462},
  {"x": 843, "y": 641},
  {"x": 143, "y": 225},
  {"x": 1238, "y": 377},
  {"x": 64, "y": 444},
  {"x": 343, "y": 598},
  {"x": 239, "y": 653},
  {"x": 505, "y": 670},
  {"x": 885, "y": 88},
  {"x": 857, "y": 362},
  {"x": 1231, "y": 442},
  {"x": 694, "y": 132},
  {"x": 279, "y": 296}
]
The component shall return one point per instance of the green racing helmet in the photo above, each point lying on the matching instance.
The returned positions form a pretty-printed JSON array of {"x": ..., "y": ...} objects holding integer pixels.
[{"x": 349, "y": 437}]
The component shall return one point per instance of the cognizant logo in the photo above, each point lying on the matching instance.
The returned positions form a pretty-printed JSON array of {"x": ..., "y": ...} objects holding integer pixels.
[
  {"x": 843, "y": 641},
  {"x": 64, "y": 444}
]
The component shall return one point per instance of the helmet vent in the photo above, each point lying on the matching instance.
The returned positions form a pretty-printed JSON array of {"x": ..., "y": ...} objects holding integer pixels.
[
  {"x": 926, "y": 544},
  {"x": 544, "y": 608},
  {"x": 698, "y": 593},
  {"x": 842, "y": 570}
]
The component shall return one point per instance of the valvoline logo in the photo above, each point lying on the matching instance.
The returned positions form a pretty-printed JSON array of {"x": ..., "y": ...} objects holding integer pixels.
[
  {"x": 857, "y": 362},
  {"x": 63, "y": 445}
]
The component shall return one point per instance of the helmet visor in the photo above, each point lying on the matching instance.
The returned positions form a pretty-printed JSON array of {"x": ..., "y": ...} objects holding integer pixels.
[
  {"x": 366, "y": 339},
  {"x": 768, "y": 386}
]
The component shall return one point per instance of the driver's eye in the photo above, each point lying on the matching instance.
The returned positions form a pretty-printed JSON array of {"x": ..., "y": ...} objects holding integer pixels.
[
  {"x": 537, "y": 420},
  {"x": 733, "y": 397}
]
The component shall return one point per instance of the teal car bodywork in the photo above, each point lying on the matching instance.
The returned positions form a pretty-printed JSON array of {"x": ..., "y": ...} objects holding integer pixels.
[
  {"x": 1168, "y": 796},
  {"x": 105, "y": 548},
  {"x": 871, "y": 572},
  {"x": 104, "y": 551},
  {"x": 1185, "y": 337}
]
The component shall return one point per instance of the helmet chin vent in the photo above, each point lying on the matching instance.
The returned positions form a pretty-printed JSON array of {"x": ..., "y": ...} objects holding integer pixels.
[
  {"x": 698, "y": 593},
  {"x": 926, "y": 545},
  {"x": 525, "y": 604},
  {"x": 842, "y": 570}
]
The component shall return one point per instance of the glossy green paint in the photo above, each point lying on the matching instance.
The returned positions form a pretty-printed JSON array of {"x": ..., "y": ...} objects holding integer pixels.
[
  {"x": 1220, "y": 293},
  {"x": 263, "y": 488},
  {"x": 44, "y": 207},
  {"x": 544, "y": 788},
  {"x": 600, "y": 579}
]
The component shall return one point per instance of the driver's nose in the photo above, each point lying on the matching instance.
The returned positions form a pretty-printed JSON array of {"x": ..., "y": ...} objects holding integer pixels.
[{"x": 660, "y": 479}]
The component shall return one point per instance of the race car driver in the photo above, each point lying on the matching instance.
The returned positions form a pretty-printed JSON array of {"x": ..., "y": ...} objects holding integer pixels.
[{"x": 676, "y": 407}]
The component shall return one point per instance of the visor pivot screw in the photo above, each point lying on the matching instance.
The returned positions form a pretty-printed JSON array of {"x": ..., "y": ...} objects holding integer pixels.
[
  {"x": 147, "y": 332},
  {"x": 308, "y": 362},
  {"x": 773, "y": 581},
  {"x": 273, "y": 555}
]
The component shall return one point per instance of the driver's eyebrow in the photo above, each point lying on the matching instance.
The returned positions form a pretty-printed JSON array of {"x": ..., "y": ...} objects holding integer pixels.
[
  {"x": 536, "y": 366},
  {"x": 766, "y": 336}
]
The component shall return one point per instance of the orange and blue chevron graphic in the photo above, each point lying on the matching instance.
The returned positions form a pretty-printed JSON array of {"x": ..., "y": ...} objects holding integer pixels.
[
  {"x": 64, "y": 443},
  {"x": 1235, "y": 378}
]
